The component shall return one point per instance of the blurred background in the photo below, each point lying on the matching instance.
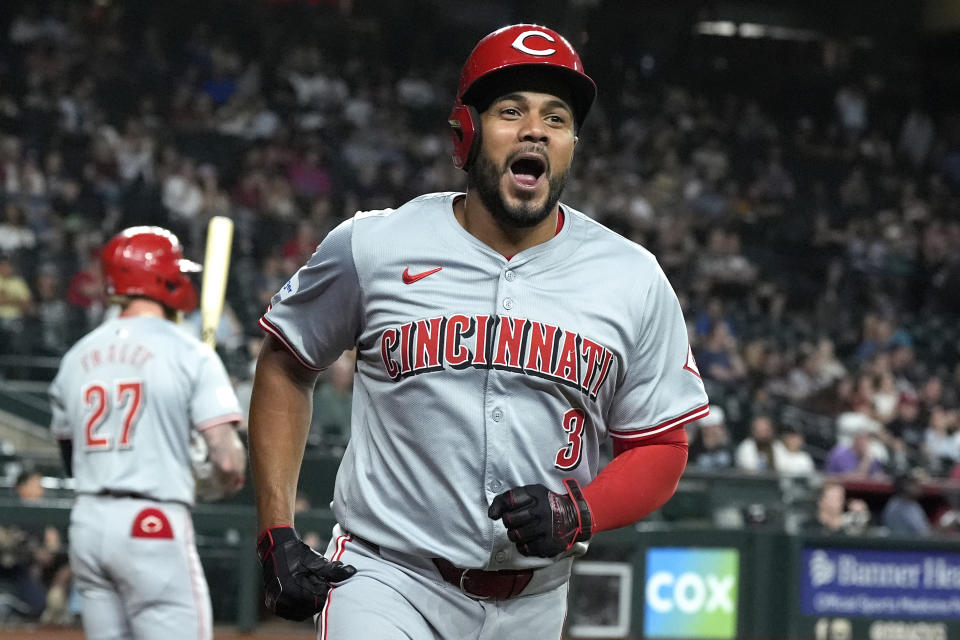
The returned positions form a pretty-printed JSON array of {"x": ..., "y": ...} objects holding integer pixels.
[{"x": 794, "y": 166}]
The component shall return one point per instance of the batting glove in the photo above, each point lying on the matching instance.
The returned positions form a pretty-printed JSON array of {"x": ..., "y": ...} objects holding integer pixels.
[
  {"x": 296, "y": 578},
  {"x": 541, "y": 522}
]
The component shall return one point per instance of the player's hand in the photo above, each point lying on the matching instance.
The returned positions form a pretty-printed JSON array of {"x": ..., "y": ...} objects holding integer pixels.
[
  {"x": 542, "y": 522},
  {"x": 295, "y": 577}
]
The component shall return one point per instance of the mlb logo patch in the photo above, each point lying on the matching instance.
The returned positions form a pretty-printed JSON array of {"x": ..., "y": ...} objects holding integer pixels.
[{"x": 288, "y": 289}]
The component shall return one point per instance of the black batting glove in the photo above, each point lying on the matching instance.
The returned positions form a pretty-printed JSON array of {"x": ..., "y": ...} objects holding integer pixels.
[
  {"x": 541, "y": 522},
  {"x": 295, "y": 577}
]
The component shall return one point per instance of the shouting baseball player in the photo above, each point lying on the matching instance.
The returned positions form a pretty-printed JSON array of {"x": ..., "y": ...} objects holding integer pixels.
[
  {"x": 125, "y": 401},
  {"x": 501, "y": 338}
]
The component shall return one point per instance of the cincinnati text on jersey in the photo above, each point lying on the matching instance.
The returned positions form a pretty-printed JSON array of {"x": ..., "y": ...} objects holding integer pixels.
[{"x": 498, "y": 342}]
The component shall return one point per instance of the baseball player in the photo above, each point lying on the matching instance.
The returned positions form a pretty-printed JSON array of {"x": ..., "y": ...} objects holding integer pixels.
[
  {"x": 501, "y": 338},
  {"x": 125, "y": 400}
]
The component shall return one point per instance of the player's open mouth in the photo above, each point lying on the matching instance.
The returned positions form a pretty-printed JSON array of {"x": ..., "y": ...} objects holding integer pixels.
[{"x": 527, "y": 170}]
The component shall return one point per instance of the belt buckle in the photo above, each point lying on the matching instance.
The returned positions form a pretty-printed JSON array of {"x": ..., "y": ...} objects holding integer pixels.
[{"x": 469, "y": 594}]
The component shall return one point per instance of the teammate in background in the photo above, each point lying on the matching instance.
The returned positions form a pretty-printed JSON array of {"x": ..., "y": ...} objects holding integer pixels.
[
  {"x": 501, "y": 338},
  {"x": 125, "y": 401}
]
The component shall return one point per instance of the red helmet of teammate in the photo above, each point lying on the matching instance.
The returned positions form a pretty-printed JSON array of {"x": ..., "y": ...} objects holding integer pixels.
[
  {"x": 149, "y": 262},
  {"x": 511, "y": 49}
]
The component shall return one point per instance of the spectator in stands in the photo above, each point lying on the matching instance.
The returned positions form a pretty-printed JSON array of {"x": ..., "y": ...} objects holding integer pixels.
[
  {"x": 880, "y": 333},
  {"x": 723, "y": 262},
  {"x": 29, "y": 487},
  {"x": 861, "y": 419},
  {"x": 718, "y": 358},
  {"x": 756, "y": 452},
  {"x": 332, "y": 402},
  {"x": 33, "y": 561},
  {"x": 308, "y": 175},
  {"x": 835, "y": 515},
  {"x": 51, "y": 322},
  {"x": 941, "y": 447},
  {"x": 829, "y": 367},
  {"x": 710, "y": 448},
  {"x": 855, "y": 458},
  {"x": 907, "y": 428},
  {"x": 714, "y": 313},
  {"x": 50, "y": 555},
  {"x": 229, "y": 333},
  {"x": 15, "y": 235},
  {"x": 789, "y": 456},
  {"x": 916, "y": 137},
  {"x": 15, "y": 298},
  {"x": 301, "y": 246},
  {"x": 803, "y": 380},
  {"x": 182, "y": 197},
  {"x": 903, "y": 515},
  {"x": 933, "y": 394},
  {"x": 946, "y": 520},
  {"x": 86, "y": 291}
]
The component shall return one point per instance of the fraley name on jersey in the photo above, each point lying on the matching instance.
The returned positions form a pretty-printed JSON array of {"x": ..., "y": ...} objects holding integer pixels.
[
  {"x": 498, "y": 342},
  {"x": 122, "y": 353}
]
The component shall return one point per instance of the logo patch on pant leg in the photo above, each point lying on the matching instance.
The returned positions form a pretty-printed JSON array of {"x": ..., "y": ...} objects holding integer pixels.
[{"x": 151, "y": 523}]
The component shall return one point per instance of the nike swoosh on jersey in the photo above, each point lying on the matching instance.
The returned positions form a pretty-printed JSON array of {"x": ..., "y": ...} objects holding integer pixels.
[{"x": 409, "y": 278}]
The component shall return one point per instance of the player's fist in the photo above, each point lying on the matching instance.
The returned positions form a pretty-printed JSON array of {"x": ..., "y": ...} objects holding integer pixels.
[
  {"x": 295, "y": 577},
  {"x": 541, "y": 522}
]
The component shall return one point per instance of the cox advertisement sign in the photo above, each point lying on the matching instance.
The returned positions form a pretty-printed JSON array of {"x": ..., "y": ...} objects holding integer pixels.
[
  {"x": 691, "y": 593},
  {"x": 920, "y": 585}
]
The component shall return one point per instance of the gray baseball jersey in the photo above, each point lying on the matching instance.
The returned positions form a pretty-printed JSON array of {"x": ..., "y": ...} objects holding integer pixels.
[
  {"x": 476, "y": 373},
  {"x": 128, "y": 394}
]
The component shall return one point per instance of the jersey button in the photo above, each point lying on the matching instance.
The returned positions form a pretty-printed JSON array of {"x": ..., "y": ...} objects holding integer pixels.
[
  {"x": 508, "y": 303},
  {"x": 497, "y": 415},
  {"x": 500, "y": 556},
  {"x": 495, "y": 486},
  {"x": 510, "y": 276}
]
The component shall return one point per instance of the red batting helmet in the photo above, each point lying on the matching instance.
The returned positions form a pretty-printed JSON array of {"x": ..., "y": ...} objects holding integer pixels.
[
  {"x": 149, "y": 262},
  {"x": 519, "y": 46}
]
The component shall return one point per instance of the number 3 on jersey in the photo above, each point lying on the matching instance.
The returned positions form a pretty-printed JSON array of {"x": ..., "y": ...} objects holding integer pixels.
[
  {"x": 569, "y": 456},
  {"x": 127, "y": 397}
]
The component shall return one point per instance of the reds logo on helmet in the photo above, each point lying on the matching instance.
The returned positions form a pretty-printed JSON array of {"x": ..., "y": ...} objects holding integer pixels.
[{"x": 519, "y": 45}]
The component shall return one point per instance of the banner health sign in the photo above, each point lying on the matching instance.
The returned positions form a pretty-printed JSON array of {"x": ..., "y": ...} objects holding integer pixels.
[
  {"x": 691, "y": 593},
  {"x": 888, "y": 584}
]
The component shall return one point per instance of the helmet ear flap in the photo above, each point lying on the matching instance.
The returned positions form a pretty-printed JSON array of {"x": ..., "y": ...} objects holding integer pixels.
[{"x": 464, "y": 123}]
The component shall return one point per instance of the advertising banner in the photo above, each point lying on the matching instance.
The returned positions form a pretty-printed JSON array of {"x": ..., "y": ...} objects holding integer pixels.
[
  {"x": 906, "y": 585},
  {"x": 691, "y": 593}
]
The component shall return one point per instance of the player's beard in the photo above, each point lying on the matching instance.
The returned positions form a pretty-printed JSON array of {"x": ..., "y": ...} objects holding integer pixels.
[{"x": 485, "y": 177}]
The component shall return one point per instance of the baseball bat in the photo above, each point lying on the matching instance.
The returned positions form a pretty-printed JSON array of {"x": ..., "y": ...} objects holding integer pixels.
[{"x": 216, "y": 266}]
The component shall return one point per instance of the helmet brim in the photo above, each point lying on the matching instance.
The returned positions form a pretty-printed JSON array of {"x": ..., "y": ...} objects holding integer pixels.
[{"x": 576, "y": 88}]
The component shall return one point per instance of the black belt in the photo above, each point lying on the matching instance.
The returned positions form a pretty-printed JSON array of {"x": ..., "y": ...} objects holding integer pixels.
[
  {"x": 111, "y": 493},
  {"x": 485, "y": 585},
  {"x": 476, "y": 583}
]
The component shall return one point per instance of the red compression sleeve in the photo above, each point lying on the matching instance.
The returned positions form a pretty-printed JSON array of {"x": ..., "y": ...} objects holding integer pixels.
[{"x": 639, "y": 480}]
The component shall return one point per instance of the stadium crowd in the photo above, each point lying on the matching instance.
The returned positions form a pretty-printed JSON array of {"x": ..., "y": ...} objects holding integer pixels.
[{"x": 815, "y": 251}]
